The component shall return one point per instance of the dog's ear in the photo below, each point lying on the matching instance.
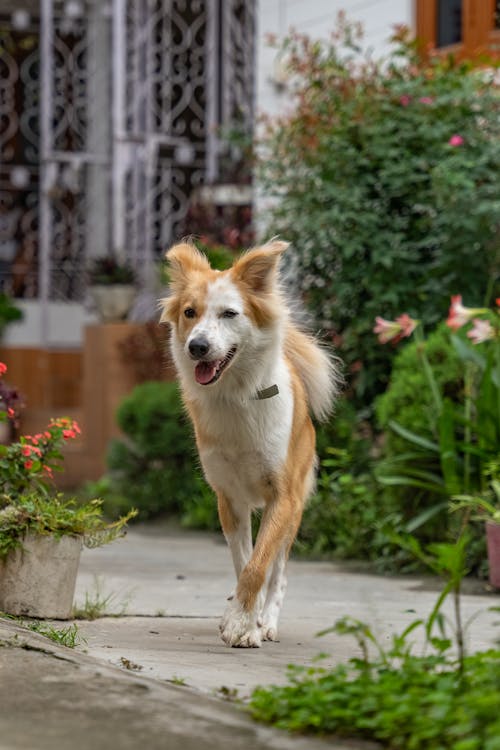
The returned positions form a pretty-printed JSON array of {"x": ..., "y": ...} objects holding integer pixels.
[
  {"x": 168, "y": 307},
  {"x": 257, "y": 268},
  {"x": 182, "y": 260}
]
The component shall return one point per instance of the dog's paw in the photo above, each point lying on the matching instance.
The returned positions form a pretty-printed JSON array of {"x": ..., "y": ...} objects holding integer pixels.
[
  {"x": 270, "y": 633},
  {"x": 269, "y": 629},
  {"x": 239, "y": 628}
]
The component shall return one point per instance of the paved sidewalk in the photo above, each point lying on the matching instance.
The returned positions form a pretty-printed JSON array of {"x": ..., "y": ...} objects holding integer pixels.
[
  {"x": 173, "y": 586},
  {"x": 168, "y": 589}
]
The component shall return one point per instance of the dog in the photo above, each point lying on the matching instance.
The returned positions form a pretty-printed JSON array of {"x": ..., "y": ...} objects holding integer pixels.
[{"x": 249, "y": 381}]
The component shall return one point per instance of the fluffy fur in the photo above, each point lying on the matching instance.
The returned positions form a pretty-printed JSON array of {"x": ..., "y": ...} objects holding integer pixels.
[{"x": 232, "y": 337}]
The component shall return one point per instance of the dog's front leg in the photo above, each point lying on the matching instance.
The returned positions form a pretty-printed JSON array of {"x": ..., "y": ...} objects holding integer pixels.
[
  {"x": 241, "y": 623},
  {"x": 237, "y": 528}
]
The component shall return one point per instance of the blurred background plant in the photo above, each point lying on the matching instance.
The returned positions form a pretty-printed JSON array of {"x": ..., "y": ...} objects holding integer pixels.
[
  {"x": 9, "y": 312},
  {"x": 386, "y": 183},
  {"x": 108, "y": 271}
]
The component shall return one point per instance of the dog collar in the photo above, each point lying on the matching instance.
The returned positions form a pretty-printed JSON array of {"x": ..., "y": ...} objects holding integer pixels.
[{"x": 273, "y": 390}]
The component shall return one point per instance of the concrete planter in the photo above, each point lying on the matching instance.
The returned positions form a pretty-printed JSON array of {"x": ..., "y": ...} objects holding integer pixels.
[
  {"x": 38, "y": 579},
  {"x": 493, "y": 544},
  {"x": 114, "y": 301}
]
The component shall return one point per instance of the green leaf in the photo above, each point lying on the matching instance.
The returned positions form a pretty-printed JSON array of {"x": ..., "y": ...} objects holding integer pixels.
[
  {"x": 413, "y": 437},
  {"x": 425, "y": 516},
  {"x": 468, "y": 353},
  {"x": 447, "y": 448}
]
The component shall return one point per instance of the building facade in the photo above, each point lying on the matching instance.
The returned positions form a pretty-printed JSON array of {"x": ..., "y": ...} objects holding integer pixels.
[{"x": 110, "y": 118}]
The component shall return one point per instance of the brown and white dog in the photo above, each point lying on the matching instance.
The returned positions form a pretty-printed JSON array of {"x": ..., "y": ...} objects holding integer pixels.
[{"x": 249, "y": 379}]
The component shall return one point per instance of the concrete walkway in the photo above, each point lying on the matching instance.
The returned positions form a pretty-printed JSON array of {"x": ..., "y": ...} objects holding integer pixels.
[{"x": 167, "y": 590}]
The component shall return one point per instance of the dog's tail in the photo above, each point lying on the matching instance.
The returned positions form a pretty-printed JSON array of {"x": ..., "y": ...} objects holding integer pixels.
[{"x": 319, "y": 372}]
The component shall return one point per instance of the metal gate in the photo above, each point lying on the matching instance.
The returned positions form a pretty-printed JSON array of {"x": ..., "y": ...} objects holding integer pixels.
[{"x": 109, "y": 118}]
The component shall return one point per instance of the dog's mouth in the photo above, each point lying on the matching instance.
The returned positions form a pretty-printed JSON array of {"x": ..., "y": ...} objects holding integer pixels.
[{"x": 207, "y": 373}]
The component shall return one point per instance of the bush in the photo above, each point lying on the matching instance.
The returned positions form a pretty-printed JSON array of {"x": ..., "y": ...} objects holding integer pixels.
[
  {"x": 155, "y": 466},
  {"x": 408, "y": 399},
  {"x": 387, "y": 185}
]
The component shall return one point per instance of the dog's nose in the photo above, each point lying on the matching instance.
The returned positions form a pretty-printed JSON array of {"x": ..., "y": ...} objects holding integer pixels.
[{"x": 199, "y": 347}]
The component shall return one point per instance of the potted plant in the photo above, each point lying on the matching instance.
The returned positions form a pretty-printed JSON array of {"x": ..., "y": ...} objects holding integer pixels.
[
  {"x": 42, "y": 533},
  {"x": 112, "y": 287}
]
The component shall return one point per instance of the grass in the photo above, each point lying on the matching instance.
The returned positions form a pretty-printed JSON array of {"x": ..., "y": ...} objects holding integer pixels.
[
  {"x": 97, "y": 604},
  {"x": 68, "y": 636}
]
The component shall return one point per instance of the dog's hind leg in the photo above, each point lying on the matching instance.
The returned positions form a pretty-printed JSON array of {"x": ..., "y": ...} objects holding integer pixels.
[
  {"x": 275, "y": 594},
  {"x": 276, "y": 588}
]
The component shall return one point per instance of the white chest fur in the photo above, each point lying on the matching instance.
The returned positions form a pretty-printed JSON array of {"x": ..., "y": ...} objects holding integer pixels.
[{"x": 247, "y": 440}]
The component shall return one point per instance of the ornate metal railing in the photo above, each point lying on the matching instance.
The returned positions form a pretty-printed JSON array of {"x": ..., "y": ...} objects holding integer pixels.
[{"x": 109, "y": 118}]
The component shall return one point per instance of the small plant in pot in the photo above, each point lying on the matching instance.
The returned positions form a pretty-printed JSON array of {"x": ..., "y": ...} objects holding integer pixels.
[
  {"x": 112, "y": 287},
  {"x": 42, "y": 533}
]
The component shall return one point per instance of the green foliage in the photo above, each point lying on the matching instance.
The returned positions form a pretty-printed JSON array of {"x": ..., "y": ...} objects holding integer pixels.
[
  {"x": 38, "y": 513},
  {"x": 408, "y": 399},
  {"x": 27, "y": 465},
  {"x": 107, "y": 271},
  {"x": 340, "y": 519},
  {"x": 68, "y": 636},
  {"x": 449, "y": 453},
  {"x": 9, "y": 312},
  {"x": 423, "y": 702},
  {"x": 384, "y": 213},
  {"x": 199, "y": 510},
  {"x": 154, "y": 467}
]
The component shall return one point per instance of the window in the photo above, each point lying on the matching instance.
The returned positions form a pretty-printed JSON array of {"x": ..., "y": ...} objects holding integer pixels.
[{"x": 465, "y": 28}]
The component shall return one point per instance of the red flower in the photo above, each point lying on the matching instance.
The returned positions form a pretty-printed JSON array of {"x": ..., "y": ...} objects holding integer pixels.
[
  {"x": 11, "y": 413},
  {"x": 26, "y": 451},
  {"x": 3, "y": 368},
  {"x": 28, "y": 465},
  {"x": 394, "y": 330},
  {"x": 404, "y": 100}
]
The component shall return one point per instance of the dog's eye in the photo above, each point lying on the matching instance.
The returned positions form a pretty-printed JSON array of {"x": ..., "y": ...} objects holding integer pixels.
[
  {"x": 190, "y": 312},
  {"x": 229, "y": 314}
]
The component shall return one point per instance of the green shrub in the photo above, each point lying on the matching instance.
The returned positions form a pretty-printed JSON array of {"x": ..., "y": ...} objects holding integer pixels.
[
  {"x": 387, "y": 212},
  {"x": 155, "y": 466},
  {"x": 408, "y": 399}
]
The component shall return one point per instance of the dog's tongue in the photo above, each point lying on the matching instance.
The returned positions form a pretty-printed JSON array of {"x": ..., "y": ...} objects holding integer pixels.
[{"x": 205, "y": 371}]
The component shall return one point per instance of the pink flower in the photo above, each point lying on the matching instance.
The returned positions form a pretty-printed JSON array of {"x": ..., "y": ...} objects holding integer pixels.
[
  {"x": 28, "y": 465},
  {"x": 459, "y": 315},
  {"x": 26, "y": 451},
  {"x": 3, "y": 368},
  {"x": 394, "y": 330},
  {"x": 404, "y": 100},
  {"x": 456, "y": 140},
  {"x": 11, "y": 413},
  {"x": 482, "y": 330},
  {"x": 426, "y": 100}
]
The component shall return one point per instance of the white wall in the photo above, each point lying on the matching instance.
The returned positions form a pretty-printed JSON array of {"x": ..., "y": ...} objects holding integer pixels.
[
  {"x": 317, "y": 18},
  {"x": 65, "y": 324}
]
